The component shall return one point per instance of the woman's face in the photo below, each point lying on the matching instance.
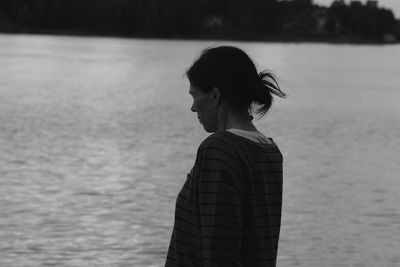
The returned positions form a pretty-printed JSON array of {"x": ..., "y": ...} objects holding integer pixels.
[{"x": 205, "y": 108}]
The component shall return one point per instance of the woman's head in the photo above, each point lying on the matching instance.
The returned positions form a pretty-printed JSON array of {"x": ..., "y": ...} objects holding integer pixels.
[{"x": 233, "y": 72}]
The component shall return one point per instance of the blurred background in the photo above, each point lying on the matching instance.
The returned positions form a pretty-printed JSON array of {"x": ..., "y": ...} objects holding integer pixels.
[
  {"x": 97, "y": 136},
  {"x": 273, "y": 20}
]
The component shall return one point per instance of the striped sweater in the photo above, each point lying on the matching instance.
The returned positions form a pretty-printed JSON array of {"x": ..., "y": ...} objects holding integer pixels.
[{"x": 228, "y": 212}]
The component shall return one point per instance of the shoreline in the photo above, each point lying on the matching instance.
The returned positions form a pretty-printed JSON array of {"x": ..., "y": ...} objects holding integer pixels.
[{"x": 340, "y": 40}]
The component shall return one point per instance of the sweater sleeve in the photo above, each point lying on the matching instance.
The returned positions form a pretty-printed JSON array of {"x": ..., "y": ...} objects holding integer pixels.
[{"x": 220, "y": 204}]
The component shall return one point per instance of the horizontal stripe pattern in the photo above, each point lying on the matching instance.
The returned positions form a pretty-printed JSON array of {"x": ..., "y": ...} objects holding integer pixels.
[{"x": 228, "y": 212}]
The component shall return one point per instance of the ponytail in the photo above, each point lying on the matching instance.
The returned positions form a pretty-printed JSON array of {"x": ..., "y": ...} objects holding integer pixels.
[{"x": 264, "y": 90}]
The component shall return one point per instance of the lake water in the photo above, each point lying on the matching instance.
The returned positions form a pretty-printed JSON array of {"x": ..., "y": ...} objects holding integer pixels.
[{"x": 96, "y": 138}]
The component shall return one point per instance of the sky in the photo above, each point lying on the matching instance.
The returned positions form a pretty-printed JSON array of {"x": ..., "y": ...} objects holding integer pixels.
[{"x": 394, "y": 5}]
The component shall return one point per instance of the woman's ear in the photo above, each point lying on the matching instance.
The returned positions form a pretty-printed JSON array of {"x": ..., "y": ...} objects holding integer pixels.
[{"x": 215, "y": 96}]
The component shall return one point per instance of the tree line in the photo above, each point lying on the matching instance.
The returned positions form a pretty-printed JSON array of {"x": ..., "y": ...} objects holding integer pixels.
[{"x": 233, "y": 19}]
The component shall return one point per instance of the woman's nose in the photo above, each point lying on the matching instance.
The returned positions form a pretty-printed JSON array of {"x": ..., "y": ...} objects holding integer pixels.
[{"x": 193, "y": 108}]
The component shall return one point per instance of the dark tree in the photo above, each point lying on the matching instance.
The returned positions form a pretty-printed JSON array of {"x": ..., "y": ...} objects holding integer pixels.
[{"x": 234, "y": 19}]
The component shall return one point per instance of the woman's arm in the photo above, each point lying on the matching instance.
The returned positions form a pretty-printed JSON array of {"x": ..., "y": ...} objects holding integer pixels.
[{"x": 220, "y": 202}]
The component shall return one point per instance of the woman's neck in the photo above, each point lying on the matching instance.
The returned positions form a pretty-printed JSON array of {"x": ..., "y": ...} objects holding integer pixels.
[
  {"x": 228, "y": 119},
  {"x": 246, "y": 125}
]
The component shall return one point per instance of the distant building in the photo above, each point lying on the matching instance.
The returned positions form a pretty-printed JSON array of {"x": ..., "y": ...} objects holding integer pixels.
[
  {"x": 372, "y": 3},
  {"x": 212, "y": 21},
  {"x": 389, "y": 38}
]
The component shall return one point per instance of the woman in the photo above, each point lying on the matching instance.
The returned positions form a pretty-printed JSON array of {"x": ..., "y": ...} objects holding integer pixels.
[{"x": 228, "y": 212}]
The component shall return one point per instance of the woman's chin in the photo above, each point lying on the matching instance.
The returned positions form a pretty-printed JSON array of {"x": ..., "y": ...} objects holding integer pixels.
[{"x": 208, "y": 129}]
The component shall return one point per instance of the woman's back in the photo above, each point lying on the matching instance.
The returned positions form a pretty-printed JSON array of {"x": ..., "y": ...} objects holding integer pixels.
[{"x": 228, "y": 211}]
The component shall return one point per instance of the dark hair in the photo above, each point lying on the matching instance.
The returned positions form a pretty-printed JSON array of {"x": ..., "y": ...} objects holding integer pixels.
[{"x": 233, "y": 72}]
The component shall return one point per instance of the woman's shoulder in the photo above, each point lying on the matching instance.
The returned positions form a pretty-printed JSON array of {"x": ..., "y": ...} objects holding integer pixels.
[
  {"x": 218, "y": 144},
  {"x": 218, "y": 139},
  {"x": 230, "y": 139},
  {"x": 234, "y": 145}
]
